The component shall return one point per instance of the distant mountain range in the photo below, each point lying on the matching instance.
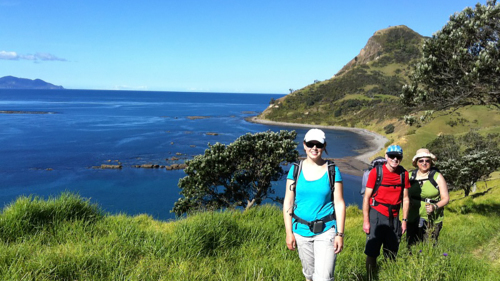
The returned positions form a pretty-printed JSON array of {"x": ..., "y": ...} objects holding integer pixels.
[{"x": 11, "y": 82}]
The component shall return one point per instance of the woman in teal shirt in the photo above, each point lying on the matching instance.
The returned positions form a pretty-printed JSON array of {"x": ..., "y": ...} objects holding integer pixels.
[{"x": 310, "y": 200}]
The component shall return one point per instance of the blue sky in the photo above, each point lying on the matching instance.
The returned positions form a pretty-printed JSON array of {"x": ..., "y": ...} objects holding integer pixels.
[{"x": 247, "y": 46}]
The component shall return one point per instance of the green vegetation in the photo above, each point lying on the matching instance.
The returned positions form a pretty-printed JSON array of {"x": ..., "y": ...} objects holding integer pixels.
[
  {"x": 237, "y": 175},
  {"x": 467, "y": 159},
  {"x": 67, "y": 238},
  {"x": 460, "y": 63}
]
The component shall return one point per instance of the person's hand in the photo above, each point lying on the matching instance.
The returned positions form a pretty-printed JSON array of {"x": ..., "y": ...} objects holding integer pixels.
[
  {"x": 290, "y": 242},
  {"x": 430, "y": 208},
  {"x": 338, "y": 244},
  {"x": 403, "y": 227},
  {"x": 366, "y": 227}
]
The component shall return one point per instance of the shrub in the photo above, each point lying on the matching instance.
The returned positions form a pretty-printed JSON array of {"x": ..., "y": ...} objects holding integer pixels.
[{"x": 389, "y": 129}]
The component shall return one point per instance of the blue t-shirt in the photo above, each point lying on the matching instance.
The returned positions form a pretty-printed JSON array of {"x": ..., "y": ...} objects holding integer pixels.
[{"x": 313, "y": 201}]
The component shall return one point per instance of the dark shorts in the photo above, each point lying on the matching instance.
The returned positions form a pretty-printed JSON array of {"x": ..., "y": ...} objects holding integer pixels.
[
  {"x": 417, "y": 234},
  {"x": 382, "y": 234}
]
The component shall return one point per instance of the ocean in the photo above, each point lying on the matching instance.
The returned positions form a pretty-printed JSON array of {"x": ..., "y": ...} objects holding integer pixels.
[{"x": 50, "y": 140}]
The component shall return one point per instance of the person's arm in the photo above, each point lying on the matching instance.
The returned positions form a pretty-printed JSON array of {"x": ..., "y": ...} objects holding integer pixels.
[
  {"x": 339, "y": 204},
  {"x": 443, "y": 192},
  {"x": 288, "y": 203},
  {"x": 406, "y": 209},
  {"x": 366, "y": 210}
]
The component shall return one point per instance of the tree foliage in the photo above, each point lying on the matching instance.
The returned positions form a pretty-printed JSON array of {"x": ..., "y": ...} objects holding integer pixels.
[
  {"x": 236, "y": 175},
  {"x": 460, "y": 63},
  {"x": 465, "y": 160}
]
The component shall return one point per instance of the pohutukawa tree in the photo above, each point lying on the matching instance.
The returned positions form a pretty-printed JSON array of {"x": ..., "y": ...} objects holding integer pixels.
[
  {"x": 467, "y": 159},
  {"x": 460, "y": 63},
  {"x": 236, "y": 175}
]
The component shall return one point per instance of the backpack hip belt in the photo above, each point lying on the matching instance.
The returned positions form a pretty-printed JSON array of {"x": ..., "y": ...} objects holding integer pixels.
[
  {"x": 316, "y": 226},
  {"x": 390, "y": 208},
  {"x": 426, "y": 200}
]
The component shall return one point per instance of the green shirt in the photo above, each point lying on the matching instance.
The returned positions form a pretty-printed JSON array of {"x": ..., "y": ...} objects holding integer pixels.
[{"x": 417, "y": 207}]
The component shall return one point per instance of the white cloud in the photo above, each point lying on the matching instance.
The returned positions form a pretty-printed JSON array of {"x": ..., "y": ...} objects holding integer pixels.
[
  {"x": 5, "y": 55},
  {"x": 8, "y": 55},
  {"x": 47, "y": 56},
  {"x": 130, "y": 88}
]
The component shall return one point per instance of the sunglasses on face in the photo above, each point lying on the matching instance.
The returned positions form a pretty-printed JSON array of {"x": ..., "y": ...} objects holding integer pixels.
[
  {"x": 317, "y": 144},
  {"x": 396, "y": 156},
  {"x": 421, "y": 161}
]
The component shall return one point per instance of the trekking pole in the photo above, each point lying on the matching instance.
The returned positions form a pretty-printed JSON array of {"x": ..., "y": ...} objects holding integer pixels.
[{"x": 429, "y": 216}]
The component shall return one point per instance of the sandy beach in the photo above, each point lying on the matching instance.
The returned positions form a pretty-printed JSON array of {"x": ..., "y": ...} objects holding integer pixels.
[{"x": 349, "y": 165}]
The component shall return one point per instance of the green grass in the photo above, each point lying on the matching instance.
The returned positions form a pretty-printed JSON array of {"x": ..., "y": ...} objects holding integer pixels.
[{"x": 67, "y": 238}]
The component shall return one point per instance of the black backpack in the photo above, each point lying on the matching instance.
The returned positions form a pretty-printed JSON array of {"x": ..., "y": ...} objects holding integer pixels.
[
  {"x": 431, "y": 179},
  {"x": 298, "y": 168},
  {"x": 376, "y": 163}
]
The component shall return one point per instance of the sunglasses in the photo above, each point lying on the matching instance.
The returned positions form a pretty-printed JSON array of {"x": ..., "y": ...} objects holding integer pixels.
[
  {"x": 424, "y": 161},
  {"x": 317, "y": 144},
  {"x": 399, "y": 157}
]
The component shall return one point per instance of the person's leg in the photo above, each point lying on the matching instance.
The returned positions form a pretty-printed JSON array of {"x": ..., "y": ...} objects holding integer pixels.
[
  {"x": 412, "y": 233},
  {"x": 392, "y": 238},
  {"x": 373, "y": 243},
  {"x": 305, "y": 247},
  {"x": 371, "y": 266},
  {"x": 324, "y": 256}
]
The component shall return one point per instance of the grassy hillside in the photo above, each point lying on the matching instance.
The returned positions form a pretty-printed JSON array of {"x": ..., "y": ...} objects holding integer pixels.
[
  {"x": 457, "y": 122},
  {"x": 67, "y": 238},
  {"x": 366, "y": 88}
]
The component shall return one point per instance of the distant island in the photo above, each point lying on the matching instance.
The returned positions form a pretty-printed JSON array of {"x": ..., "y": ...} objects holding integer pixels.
[{"x": 11, "y": 82}]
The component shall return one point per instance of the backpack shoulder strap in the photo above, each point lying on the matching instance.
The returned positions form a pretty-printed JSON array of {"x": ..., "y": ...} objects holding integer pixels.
[
  {"x": 378, "y": 181},
  {"x": 403, "y": 173},
  {"x": 297, "y": 167},
  {"x": 331, "y": 173},
  {"x": 331, "y": 178},
  {"x": 432, "y": 173},
  {"x": 413, "y": 175}
]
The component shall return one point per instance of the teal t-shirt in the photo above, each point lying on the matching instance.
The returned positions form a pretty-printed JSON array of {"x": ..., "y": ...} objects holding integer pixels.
[{"x": 313, "y": 201}]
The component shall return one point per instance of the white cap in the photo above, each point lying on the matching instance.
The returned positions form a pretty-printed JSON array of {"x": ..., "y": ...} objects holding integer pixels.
[{"x": 315, "y": 135}]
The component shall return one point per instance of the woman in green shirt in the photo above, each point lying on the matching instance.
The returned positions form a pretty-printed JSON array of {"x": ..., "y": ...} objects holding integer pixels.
[{"x": 428, "y": 196}]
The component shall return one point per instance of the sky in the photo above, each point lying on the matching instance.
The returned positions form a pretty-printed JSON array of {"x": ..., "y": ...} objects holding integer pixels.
[{"x": 230, "y": 46}]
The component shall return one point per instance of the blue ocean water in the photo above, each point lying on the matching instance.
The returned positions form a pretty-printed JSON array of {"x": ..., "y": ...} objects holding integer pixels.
[{"x": 46, "y": 154}]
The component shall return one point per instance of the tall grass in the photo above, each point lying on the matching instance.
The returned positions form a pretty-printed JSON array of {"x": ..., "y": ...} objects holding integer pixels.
[{"x": 67, "y": 238}]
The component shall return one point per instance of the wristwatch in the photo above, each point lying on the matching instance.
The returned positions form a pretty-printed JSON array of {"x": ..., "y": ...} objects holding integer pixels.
[
  {"x": 404, "y": 219},
  {"x": 341, "y": 234}
]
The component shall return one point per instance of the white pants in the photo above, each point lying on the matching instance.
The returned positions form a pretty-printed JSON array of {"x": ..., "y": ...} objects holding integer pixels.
[{"x": 317, "y": 255}]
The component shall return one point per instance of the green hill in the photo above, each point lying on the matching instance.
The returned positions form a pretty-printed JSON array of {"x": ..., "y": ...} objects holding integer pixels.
[{"x": 367, "y": 87}]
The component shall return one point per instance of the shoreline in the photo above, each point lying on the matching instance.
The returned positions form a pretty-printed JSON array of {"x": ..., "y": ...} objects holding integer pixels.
[{"x": 353, "y": 165}]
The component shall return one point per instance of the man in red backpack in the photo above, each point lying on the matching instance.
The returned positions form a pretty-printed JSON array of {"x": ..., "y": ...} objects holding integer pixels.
[{"x": 381, "y": 204}]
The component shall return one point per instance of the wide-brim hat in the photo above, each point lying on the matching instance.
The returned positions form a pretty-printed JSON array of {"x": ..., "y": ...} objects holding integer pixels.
[{"x": 423, "y": 153}]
